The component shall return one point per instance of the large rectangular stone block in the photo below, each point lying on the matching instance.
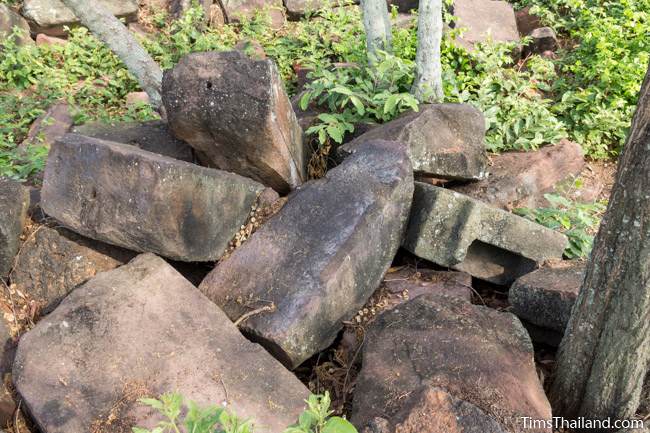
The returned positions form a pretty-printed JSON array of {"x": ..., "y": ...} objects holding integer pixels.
[{"x": 142, "y": 201}]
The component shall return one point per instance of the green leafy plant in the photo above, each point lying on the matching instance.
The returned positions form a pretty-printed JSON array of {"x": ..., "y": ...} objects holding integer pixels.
[
  {"x": 601, "y": 66},
  {"x": 579, "y": 221},
  {"x": 355, "y": 94},
  {"x": 518, "y": 114},
  {"x": 179, "y": 417}
]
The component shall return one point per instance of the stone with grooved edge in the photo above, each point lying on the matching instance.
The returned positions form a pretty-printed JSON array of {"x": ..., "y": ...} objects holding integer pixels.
[
  {"x": 143, "y": 201},
  {"x": 320, "y": 258},
  {"x": 444, "y": 140},
  {"x": 143, "y": 330},
  {"x": 235, "y": 111},
  {"x": 452, "y": 229}
]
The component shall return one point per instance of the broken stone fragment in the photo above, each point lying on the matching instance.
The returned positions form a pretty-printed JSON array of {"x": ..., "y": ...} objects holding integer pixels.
[
  {"x": 546, "y": 296},
  {"x": 235, "y": 111},
  {"x": 50, "y": 126},
  {"x": 544, "y": 39},
  {"x": 480, "y": 357},
  {"x": 452, "y": 229},
  {"x": 14, "y": 202},
  {"x": 143, "y": 330},
  {"x": 142, "y": 201},
  {"x": 520, "y": 179},
  {"x": 444, "y": 140},
  {"x": 319, "y": 259},
  {"x": 239, "y": 10},
  {"x": 152, "y": 136},
  {"x": 52, "y": 262}
]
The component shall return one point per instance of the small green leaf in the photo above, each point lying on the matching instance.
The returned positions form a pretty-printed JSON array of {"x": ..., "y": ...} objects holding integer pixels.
[{"x": 338, "y": 425}]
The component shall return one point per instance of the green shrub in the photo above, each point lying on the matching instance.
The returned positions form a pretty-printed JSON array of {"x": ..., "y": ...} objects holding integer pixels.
[
  {"x": 579, "y": 221},
  {"x": 357, "y": 94},
  {"x": 190, "y": 418},
  {"x": 601, "y": 66},
  {"x": 517, "y": 112}
]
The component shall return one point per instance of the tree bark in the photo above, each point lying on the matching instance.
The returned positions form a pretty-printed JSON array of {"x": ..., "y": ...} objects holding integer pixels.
[
  {"x": 604, "y": 354},
  {"x": 376, "y": 23},
  {"x": 427, "y": 86},
  {"x": 113, "y": 33}
]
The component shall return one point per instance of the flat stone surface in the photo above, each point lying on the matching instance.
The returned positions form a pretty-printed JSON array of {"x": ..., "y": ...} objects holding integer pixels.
[
  {"x": 143, "y": 330},
  {"x": 520, "y": 179},
  {"x": 142, "y": 201},
  {"x": 477, "y": 355},
  {"x": 452, "y": 229},
  {"x": 235, "y": 110},
  {"x": 152, "y": 136},
  {"x": 427, "y": 281},
  {"x": 52, "y": 262},
  {"x": 48, "y": 13},
  {"x": 485, "y": 20},
  {"x": 545, "y": 297},
  {"x": 320, "y": 258},
  {"x": 10, "y": 19},
  {"x": 14, "y": 202},
  {"x": 444, "y": 140}
]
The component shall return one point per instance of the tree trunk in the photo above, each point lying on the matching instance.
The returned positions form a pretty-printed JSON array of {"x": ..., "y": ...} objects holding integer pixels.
[
  {"x": 604, "y": 354},
  {"x": 113, "y": 33},
  {"x": 427, "y": 86},
  {"x": 377, "y": 26}
]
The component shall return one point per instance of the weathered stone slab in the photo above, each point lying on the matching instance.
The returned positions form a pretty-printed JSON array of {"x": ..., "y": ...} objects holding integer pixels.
[
  {"x": 319, "y": 259},
  {"x": 520, "y": 179},
  {"x": 8, "y": 21},
  {"x": 545, "y": 297},
  {"x": 235, "y": 110},
  {"x": 481, "y": 358},
  {"x": 142, "y": 329},
  {"x": 152, "y": 136},
  {"x": 14, "y": 202},
  {"x": 49, "y": 16},
  {"x": 485, "y": 20},
  {"x": 444, "y": 140},
  {"x": 52, "y": 262},
  {"x": 142, "y": 201},
  {"x": 452, "y": 229}
]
